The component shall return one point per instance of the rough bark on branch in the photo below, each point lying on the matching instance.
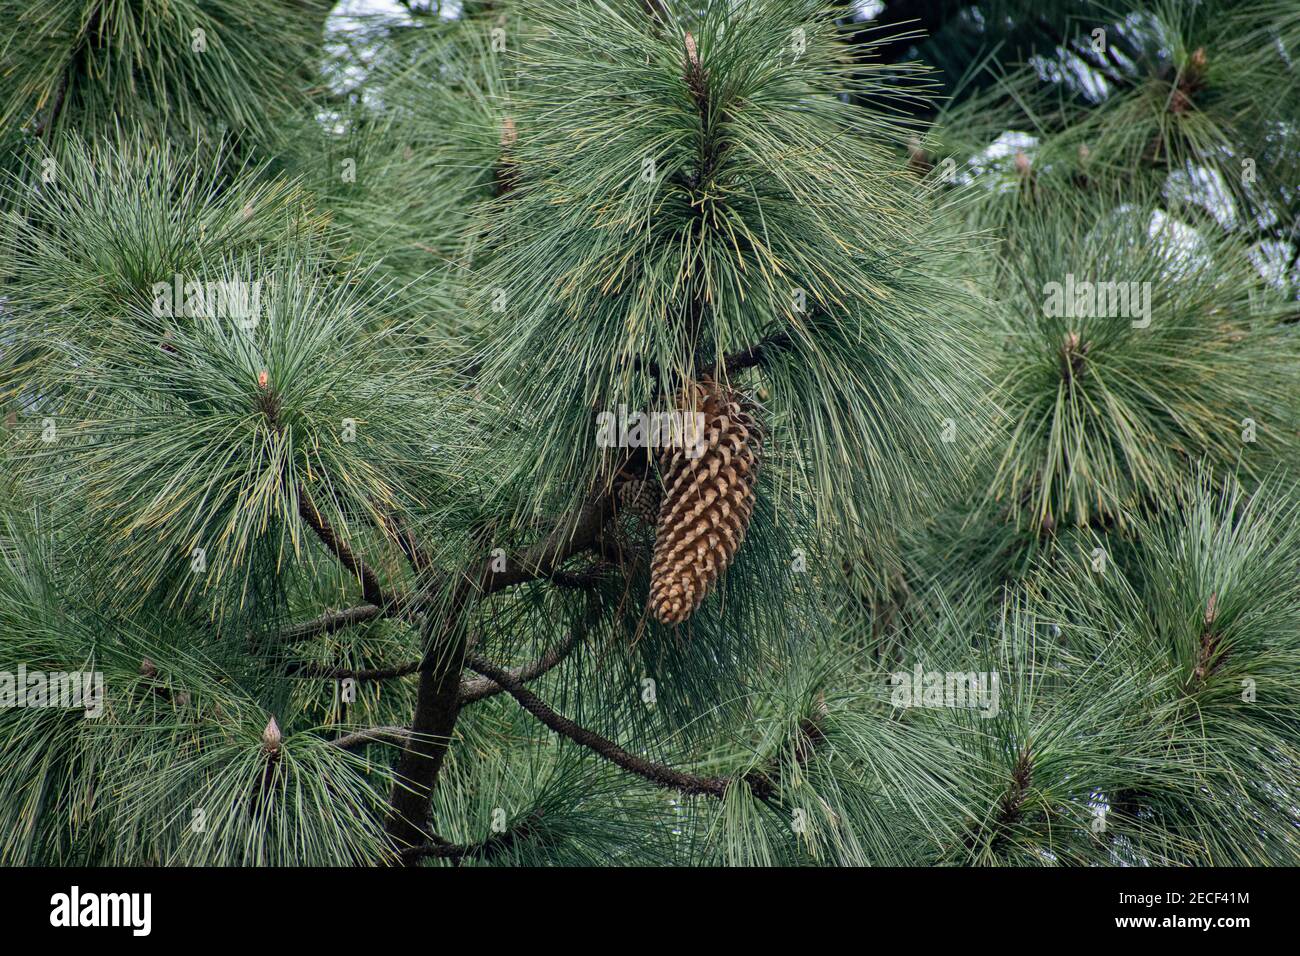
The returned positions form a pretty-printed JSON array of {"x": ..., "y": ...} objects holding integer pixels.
[
  {"x": 543, "y": 559},
  {"x": 363, "y": 673},
  {"x": 379, "y": 735},
  {"x": 656, "y": 773},
  {"x": 762, "y": 783},
  {"x": 756, "y": 354},
  {"x": 438, "y": 699},
  {"x": 486, "y": 849},
  {"x": 370, "y": 586},
  {"x": 332, "y": 621},
  {"x": 472, "y": 690}
]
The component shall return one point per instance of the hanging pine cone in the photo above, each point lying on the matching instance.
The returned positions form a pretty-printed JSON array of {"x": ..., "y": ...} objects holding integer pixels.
[
  {"x": 708, "y": 500},
  {"x": 640, "y": 498}
]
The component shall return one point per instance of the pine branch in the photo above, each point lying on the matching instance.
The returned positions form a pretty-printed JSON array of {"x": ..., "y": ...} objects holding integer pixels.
[
  {"x": 472, "y": 690},
  {"x": 416, "y": 556},
  {"x": 1012, "y": 802},
  {"x": 342, "y": 673},
  {"x": 762, "y": 783},
  {"x": 537, "y": 562},
  {"x": 332, "y": 621},
  {"x": 438, "y": 699},
  {"x": 585, "y": 579},
  {"x": 370, "y": 586},
  {"x": 380, "y": 735},
  {"x": 657, "y": 773},
  {"x": 437, "y": 706},
  {"x": 492, "y": 846},
  {"x": 543, "y": 559},
  {"x": 760, "y": 353},
  {"x": 757, "y": 354}
]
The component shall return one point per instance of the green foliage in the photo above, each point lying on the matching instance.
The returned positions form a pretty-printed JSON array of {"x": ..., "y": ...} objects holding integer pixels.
[
  {"x": 1108, "y": 400},
  {"x": 1209, "y": 603},
  {"x": 185, "y": 67},
  {"x": 646, "y": 210},
  {"x": 472, "y": 232}
]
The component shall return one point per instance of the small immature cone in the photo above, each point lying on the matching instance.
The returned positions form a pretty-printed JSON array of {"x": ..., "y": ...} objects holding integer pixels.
[{"x": 708, "y": 501}]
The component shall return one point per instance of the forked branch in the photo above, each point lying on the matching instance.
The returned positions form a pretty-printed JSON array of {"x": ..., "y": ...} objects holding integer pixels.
[
  {"x": 472, "y": 690},
  {"x": 762, "y": 783},
  {"x": 656, "y": 773}
]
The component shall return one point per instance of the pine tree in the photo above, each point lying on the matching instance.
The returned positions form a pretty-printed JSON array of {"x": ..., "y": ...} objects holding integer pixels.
[{"x": 639, "y": 432}]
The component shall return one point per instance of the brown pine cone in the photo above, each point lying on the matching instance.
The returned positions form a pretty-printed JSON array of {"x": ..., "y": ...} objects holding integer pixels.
[
  {"x": 708, "y": 501},
  {"x": 641, "y": 499}
]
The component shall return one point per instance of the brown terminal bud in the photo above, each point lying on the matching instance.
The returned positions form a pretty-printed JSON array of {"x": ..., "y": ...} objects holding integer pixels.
[
  {"x": 917, "y": 157},
  {"x": 271, "y": 738},
  {"x": 692, "y": 54}
]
